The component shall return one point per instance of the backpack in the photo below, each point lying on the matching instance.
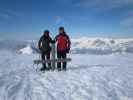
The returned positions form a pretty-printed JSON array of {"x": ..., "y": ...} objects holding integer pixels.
[
  {"x": 45, "y": 45},
  {"x": 62, "y": 43}
]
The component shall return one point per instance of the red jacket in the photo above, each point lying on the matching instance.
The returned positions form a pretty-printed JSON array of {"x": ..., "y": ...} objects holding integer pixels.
[{"x": 63, "y": 42}]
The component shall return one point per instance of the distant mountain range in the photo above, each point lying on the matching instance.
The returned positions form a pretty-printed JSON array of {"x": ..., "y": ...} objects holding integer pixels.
[
  {"x": 82, "y": 45},
  {"x": 101, "y": 45}
]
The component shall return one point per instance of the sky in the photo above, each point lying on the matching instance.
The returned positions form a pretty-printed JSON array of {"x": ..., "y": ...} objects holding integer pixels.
[{"x": 24, "y": 19}]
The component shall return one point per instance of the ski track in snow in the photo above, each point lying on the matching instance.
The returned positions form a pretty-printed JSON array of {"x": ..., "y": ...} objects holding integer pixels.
[{"x": 20, "y": 81}]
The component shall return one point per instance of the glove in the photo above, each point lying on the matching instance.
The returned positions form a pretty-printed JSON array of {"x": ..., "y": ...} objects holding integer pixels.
[{"x": 68, "y": 50}]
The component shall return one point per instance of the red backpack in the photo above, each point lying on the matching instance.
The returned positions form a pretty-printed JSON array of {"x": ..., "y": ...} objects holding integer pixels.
[{"x": 62, "y": 43}]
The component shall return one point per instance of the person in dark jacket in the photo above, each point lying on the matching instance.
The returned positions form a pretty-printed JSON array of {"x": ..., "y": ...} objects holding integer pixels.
[
  {"x": 63, "y": 47},
  {"x": 45, "y": 48}
]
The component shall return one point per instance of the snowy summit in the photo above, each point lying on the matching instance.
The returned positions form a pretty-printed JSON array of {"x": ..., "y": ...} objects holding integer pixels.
[{"x": 90, "y": 75}]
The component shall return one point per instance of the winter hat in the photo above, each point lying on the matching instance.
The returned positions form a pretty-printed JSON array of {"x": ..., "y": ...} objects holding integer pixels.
[
  {"x": 46, "y": 31},
  {"x": 61, "y": 28}
]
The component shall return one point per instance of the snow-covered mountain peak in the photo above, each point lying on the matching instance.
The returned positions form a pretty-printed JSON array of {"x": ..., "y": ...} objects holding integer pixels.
[{"x": 26, "y": 50}]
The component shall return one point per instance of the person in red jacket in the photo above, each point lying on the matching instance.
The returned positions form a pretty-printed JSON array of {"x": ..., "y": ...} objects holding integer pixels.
[{"x": 63, "y": 47}]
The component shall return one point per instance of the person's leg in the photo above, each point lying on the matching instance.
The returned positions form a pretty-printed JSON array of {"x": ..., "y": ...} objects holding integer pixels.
[
  {"x": 59, "y": 63},
  {"x": 48, "y": 58},
  {"x": 43, "y": 64},
  {"x": 64, "y": 56}
]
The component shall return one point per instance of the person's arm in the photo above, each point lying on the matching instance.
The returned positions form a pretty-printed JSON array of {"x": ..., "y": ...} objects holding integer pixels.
[
  {"x": 39, "y": 43},
  {"x": 69, "y": 42},
  {"x": 56, "y": 38}
]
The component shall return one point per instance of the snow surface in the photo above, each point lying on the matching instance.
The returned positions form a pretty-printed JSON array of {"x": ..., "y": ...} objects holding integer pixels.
[{"x": 89, "y": 77}]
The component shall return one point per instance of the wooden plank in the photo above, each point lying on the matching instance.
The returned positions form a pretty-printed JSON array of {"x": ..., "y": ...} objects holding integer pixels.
[{"x": 50, "y": 61}]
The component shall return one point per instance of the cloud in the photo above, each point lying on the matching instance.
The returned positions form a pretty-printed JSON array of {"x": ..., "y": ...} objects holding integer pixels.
[
  {"x": 59, "y": 20},
  {"x": 127, "y": 22},
  {"x": 63, "y": 1},
  {"x": 7, "y": 14},
  {"x": 104, "y": 4}
]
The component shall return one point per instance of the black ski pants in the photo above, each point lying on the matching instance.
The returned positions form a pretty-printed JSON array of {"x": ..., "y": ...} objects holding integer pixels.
[
  {"x": 59, "y": 56},
  {"x": 46, "y": 56}
]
